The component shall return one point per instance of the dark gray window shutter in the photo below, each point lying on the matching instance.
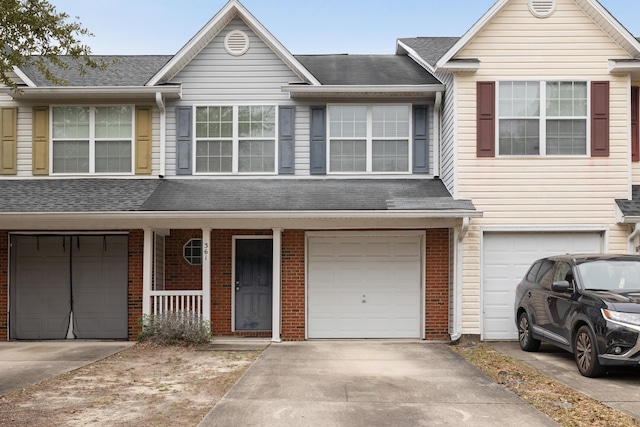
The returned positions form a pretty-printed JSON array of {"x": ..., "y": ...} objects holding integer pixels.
[
  {"x": 184, "y": 140},
  {"x": 287, "y": 140},
  {"x": 420, "y": 139},
  {"x": 318, "y": 140}
]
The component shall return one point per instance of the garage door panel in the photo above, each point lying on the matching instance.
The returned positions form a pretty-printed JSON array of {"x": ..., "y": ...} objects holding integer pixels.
[
  {"x": 364, "y": 287},
  {"x": 506, "y": 259}
]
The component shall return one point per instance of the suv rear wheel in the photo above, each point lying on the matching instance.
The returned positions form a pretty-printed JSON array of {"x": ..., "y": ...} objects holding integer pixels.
[
  {"x": 586, "y": 353},
  {"x": 525, "y": 334}
]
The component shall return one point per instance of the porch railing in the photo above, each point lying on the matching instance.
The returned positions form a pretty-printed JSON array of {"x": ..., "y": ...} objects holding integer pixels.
[{"x": 177, "y": 302}]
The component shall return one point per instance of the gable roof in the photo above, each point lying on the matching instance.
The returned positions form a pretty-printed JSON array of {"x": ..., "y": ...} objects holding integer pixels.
[
  {"x": 592, "y": 8},
  {"x": 126, "y": 70},
  {"x": 366, "y": 70},
  {"x": 428, "y": 49},
  {"x": 231, "y": 10}
]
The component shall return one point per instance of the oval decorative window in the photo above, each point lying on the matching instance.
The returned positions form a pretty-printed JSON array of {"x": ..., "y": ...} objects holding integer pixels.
[
  {"x": 542, "y": 8},
  {"x": 236, "y": 43}
]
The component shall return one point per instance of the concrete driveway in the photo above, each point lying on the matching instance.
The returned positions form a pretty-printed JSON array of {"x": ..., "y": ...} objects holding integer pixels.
[
  {"x": 368, "y": 383},
  {"x": 25, "y": 363},
  {"x": 620, "y": 388}
]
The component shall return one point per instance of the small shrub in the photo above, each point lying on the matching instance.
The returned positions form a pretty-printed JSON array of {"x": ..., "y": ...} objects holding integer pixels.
[{"x": 175, "y": 327}]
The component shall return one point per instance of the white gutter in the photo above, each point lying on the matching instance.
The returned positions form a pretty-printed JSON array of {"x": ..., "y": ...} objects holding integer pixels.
[
  {"x": 104, "y": 92},
  {"x": 370, "y": 90},
  {"x": 163, "y": 133},
  {"x": 457, "y": 289}
]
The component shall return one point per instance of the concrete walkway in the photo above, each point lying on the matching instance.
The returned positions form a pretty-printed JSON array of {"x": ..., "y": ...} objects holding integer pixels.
[
  {"x": 24, "y": 363},
  {"x": 368, "y": 383},
  {"x": 619, "y": 389}
]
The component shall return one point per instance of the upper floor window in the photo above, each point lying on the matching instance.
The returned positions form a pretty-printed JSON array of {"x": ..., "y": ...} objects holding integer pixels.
[
  {"x": 542, "y": 118},
  {"x": 92, "y": 139},
  {"x": 236, "y": 139},
  {"x": 369, "y": 139}
]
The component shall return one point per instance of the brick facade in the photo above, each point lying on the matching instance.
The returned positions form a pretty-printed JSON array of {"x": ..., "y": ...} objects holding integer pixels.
[
  {"x": 437, "y": 289},
  {"x": 180, "y": 275}
]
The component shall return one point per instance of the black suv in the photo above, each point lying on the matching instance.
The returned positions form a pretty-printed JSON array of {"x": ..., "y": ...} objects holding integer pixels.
[{"x": 588, "y": 305}]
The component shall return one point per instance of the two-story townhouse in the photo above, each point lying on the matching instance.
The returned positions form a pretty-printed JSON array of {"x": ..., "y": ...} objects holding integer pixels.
[
  {"x": 275, "y": 195},
  {"x": 540, "y": 131}
]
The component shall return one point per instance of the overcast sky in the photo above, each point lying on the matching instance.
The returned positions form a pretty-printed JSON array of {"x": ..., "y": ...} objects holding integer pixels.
[{"x": 137, "y": 27}]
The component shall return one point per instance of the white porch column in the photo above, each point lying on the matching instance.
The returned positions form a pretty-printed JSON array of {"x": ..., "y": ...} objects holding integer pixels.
[
  {"x": 206, "y": 274},
  {"x": 277, "y": 287},
  {"x": 147, "y": 268}
]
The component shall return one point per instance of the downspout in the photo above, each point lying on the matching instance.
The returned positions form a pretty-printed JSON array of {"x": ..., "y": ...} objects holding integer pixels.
[
  {"x": 163, "y": 133},
  {"x": 457, "y": 289},
  {"x": 632, "y": 236},
  {"x": 436, "y": 134}
]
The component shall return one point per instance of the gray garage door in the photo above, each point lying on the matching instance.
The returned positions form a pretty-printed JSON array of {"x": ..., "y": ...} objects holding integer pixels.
[{"x": 58, "y": 279}]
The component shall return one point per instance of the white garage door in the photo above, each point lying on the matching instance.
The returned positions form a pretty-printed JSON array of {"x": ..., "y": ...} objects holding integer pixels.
[
  {"x": 506, "y": 257},
  {"x": 364, "y": 287}
]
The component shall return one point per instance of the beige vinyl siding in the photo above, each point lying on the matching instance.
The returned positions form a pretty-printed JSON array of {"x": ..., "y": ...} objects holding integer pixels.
[
  {"x": 635, "y": 166},
  {"x": 552, "y": 192}
]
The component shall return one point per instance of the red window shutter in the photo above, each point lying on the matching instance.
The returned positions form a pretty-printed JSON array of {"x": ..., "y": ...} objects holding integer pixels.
[
  {"x": 635, "y": 135},
  {"x": 486, "y": 119},
  {"x": 600, "y": 119}
]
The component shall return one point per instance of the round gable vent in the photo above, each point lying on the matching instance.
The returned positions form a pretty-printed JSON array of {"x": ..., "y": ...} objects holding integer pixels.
[
  {"x": 236, "y": 43},
  {"x": 542, "y": 8}
]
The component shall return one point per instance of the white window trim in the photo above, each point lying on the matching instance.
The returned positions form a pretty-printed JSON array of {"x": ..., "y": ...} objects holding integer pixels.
[
  {"x": 369, "y": 139},
  {"x": 543, "y": 120},
  {"x": 92, "y": 141},
  {"x": 235, "y": 140}
]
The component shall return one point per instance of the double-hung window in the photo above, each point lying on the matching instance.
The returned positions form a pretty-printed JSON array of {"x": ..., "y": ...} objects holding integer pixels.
[
  {"x": 236, "y": 139},
  {"x": 548, "y": 118},
  {"x": 92, "y": 140},
  {"x": 369, "y": 138}
]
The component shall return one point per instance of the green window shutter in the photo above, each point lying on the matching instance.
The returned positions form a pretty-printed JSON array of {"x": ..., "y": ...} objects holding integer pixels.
[
  {"x": 184, "y": 140},
  {"x": 144, "y": 140},
  {"x": 286, "y": 140},
  {"x": 40, "y": 148},
  {"x": 9, "y": 148}
]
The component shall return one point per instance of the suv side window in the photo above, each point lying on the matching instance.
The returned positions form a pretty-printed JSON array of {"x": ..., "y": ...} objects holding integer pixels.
[
  {"x": 533, "y": 271},
  {"x": 545, "y": 274},
  {"x": 563, "y": 272}
]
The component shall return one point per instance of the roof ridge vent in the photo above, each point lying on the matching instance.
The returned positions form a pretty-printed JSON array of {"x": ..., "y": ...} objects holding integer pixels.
[
  {"x": 236, "y": 43},
  {"x": 542, "y": 8}
]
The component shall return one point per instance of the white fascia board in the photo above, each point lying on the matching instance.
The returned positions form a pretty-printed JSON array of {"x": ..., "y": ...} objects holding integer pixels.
[
  {"x": 168, "y": 215},
  {"x": 624, "y": 66},
  {"x": 615, "y": 25},
  {"x": 470, "y": 66},
  {"x": 472, "y": 32},
  {"x": 346, "y": 91},
  {"x": 24, "y": 77},
  {"x": 102, "y": 92},
  {"x": 212, "y": 28}
]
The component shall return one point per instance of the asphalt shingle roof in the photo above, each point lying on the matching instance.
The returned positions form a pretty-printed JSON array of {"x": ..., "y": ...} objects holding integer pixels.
[
  {"x": 366, "y": 70},
  {"x": 121, "y": 71},
  {"x": 225, "y": 195},
  {"x": 631, "y": 207},
  {"x": 75, "y": 195},
  {"x": 431, "y": 49}
]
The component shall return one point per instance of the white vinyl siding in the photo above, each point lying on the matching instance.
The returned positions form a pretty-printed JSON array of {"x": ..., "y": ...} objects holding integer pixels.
[{"x": 564, "y": 192}]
